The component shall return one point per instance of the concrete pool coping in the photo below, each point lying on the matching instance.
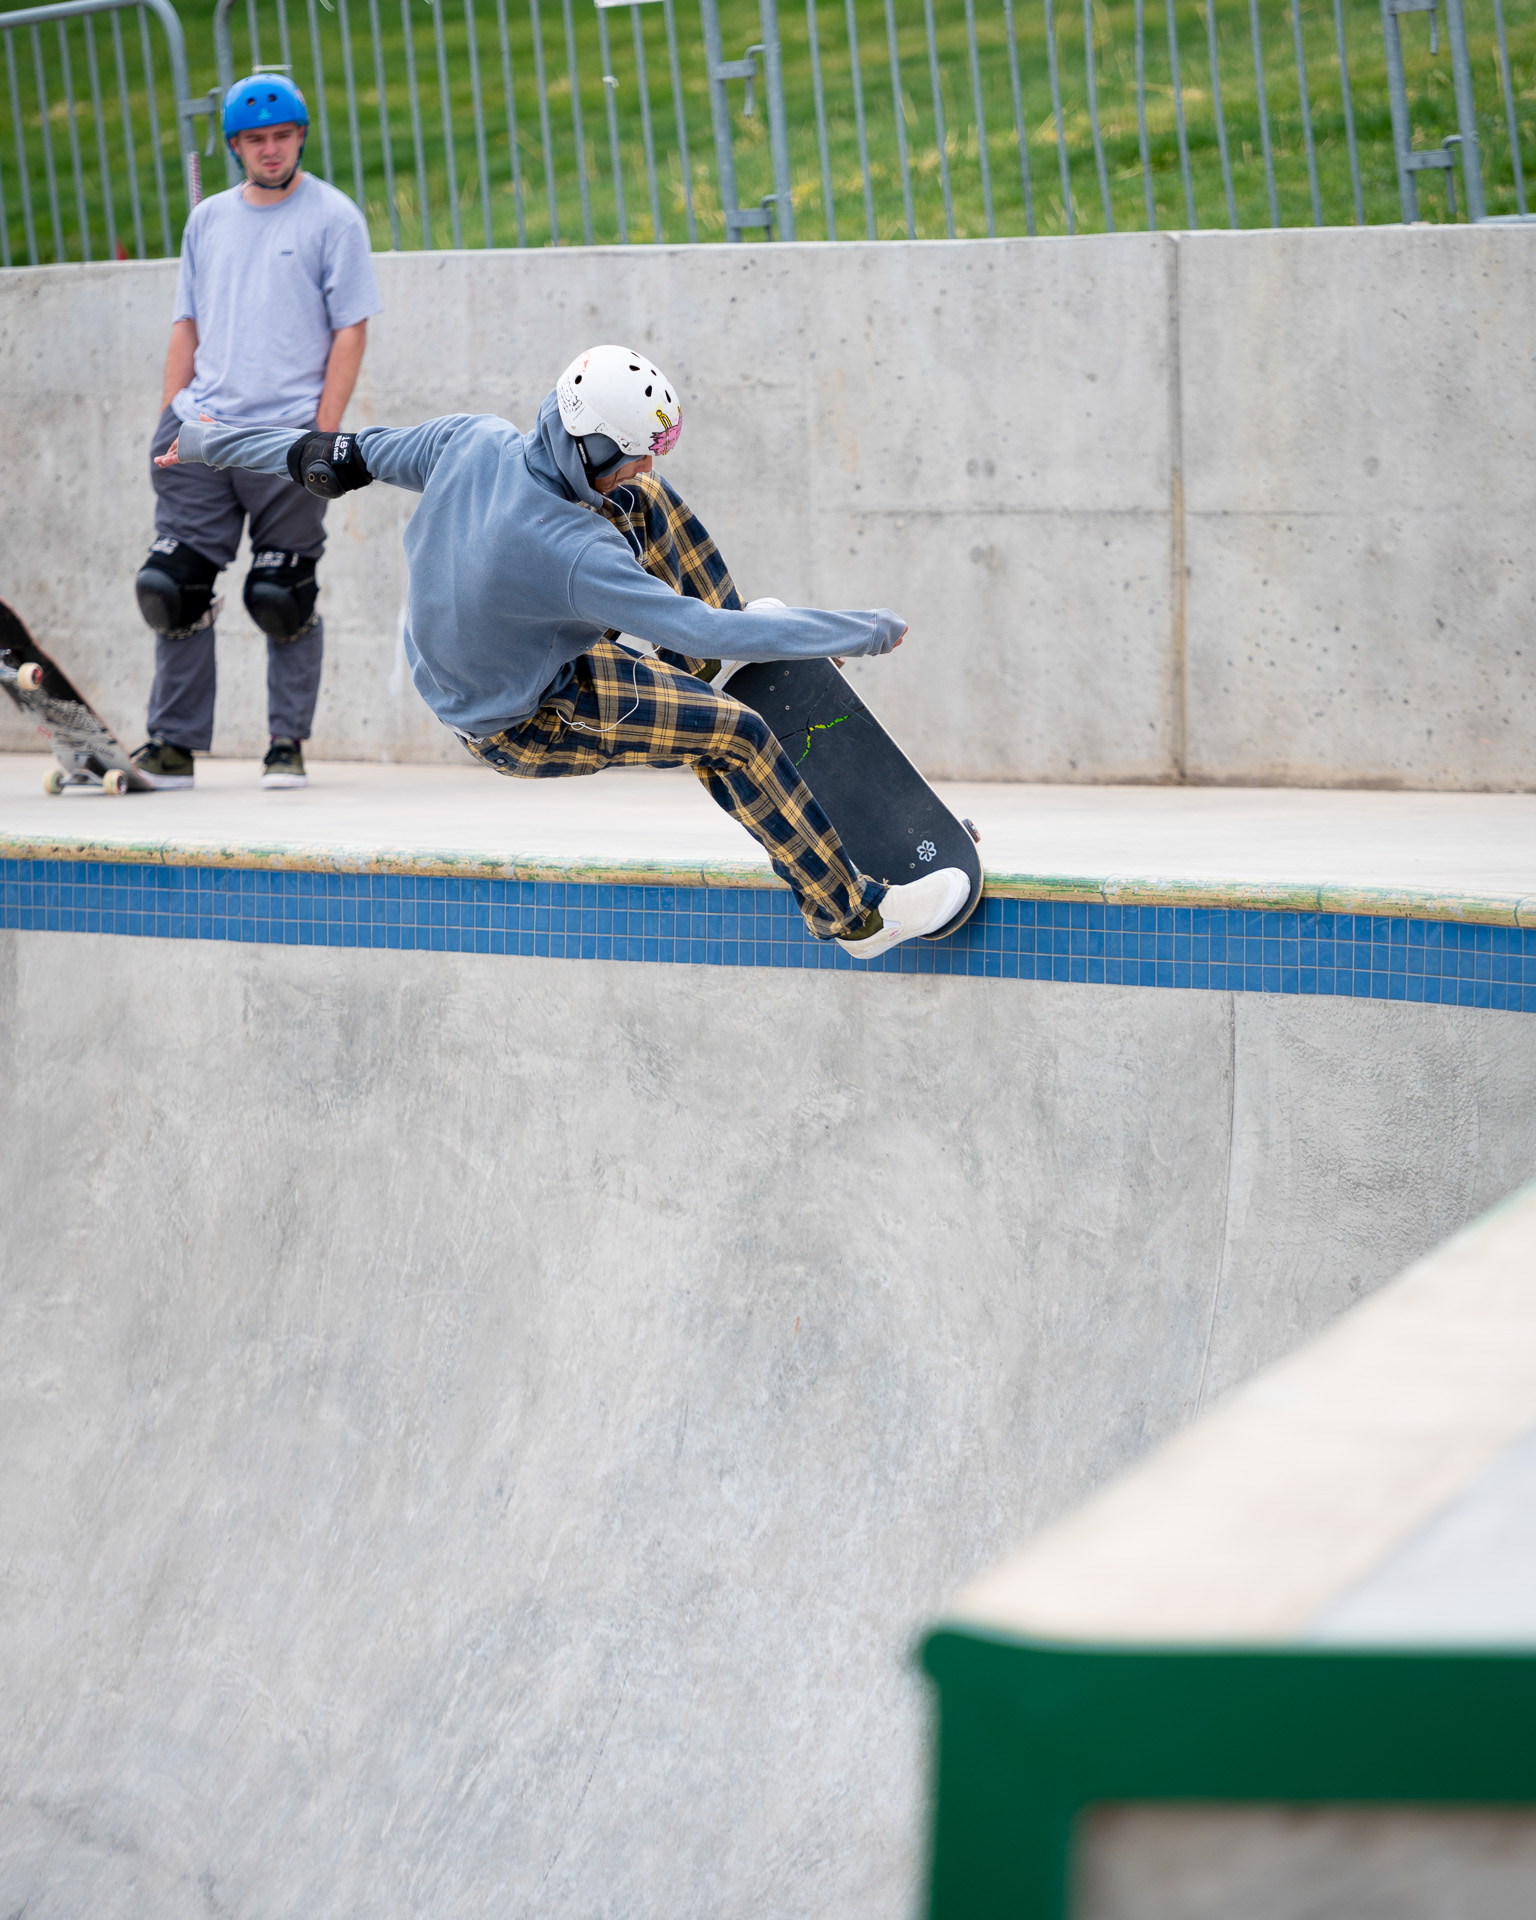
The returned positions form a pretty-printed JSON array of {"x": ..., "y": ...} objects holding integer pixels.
[{"x": 1438, "y": 856}]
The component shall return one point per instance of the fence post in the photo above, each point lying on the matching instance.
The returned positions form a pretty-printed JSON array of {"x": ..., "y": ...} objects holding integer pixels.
[
  {"x": 185, "y": 107},
  {"x": 1466, "y": 110},
  {"x": 1410, "y": 163},
  {"x": 1397, "y": 94},
  {"x": 224, "y": 59},
  {"x": 720, "y": 114},
  {"x": 721, "y": 71},
  {"x": 778, "y": 129}
]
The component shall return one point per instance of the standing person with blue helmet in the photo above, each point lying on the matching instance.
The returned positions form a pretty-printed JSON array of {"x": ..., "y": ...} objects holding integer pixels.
[{"x": 272, "y": 306}]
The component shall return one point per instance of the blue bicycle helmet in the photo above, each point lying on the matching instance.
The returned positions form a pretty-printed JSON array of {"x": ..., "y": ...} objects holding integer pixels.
[{"x": 263, "y": 100}]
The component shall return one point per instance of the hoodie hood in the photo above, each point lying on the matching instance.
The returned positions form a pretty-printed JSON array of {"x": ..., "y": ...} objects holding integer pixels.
[{"x": 554, "y": 459}]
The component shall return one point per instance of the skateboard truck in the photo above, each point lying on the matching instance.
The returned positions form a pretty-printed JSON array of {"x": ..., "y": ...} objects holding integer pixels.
[{"x": 56, "y": 780}]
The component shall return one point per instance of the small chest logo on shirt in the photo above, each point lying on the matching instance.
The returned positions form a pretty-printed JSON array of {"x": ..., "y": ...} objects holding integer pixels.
[{"x": 285, "y": 253}]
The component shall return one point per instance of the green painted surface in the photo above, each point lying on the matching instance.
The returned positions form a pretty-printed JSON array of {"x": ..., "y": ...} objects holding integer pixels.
[{"x": 1031, "y": 1733}]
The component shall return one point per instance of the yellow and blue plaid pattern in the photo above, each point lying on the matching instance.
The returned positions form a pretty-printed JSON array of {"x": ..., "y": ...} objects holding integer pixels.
[{"x": 623, "y": 710}]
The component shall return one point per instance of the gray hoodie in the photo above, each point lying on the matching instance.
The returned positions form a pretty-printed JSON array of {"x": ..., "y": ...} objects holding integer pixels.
[{"x": 512, "y": 573}]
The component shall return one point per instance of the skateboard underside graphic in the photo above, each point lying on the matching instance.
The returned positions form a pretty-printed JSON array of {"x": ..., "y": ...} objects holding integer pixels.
[{"x": 891, "y": 822}]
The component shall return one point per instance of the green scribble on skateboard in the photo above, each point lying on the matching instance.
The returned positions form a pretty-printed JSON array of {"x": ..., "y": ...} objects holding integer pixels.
[{"x": 819, "y": 726}]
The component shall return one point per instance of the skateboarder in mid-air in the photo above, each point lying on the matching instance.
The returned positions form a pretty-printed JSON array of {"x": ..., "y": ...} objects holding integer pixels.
[{"x": 529, "y": 555}]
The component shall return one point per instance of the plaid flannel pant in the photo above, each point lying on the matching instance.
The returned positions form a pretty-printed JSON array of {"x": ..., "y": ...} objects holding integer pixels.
[{"x": 625, "y": 710}]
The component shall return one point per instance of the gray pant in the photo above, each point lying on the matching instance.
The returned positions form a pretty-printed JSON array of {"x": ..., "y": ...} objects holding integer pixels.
[{"x": 206, "y": 508}]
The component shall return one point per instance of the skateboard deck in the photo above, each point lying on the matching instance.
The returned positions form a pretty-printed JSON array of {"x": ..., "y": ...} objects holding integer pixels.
[
  {"x": 891, "y": 822},
  {"x": 90, "y": 756}
]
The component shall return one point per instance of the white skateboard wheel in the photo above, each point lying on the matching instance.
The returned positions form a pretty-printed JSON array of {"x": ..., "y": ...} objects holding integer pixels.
[
  {"x": 53, "y": 780},
  {"x": 29, "y": 676},
  {"x": 115, "y": 781}
]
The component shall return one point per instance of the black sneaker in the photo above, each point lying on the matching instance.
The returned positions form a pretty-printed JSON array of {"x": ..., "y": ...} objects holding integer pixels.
[
  {"x": 163, "y": 765},
  {"x": 284, "y": 765}
]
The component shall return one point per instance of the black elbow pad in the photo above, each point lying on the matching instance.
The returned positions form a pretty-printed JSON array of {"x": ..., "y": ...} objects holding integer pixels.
[{"x": 329, "y": 464}]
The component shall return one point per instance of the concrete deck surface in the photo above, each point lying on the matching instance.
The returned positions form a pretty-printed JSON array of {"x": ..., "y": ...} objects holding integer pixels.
[{"x": 1451, "y": 853}]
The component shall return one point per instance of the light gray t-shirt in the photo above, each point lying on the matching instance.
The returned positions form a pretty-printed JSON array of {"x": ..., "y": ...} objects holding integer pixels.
[{"x": 268, "y": 286}]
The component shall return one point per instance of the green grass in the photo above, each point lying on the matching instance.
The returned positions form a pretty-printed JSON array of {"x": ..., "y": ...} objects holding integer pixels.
[{"x": 524, "y": 216}]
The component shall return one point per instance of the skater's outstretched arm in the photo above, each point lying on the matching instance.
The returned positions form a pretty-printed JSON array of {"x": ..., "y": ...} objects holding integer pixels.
[
  {"x": 611, "y": 590},
  {"x": 404, "y": 456},
  {"x": 204, "y": 443}
]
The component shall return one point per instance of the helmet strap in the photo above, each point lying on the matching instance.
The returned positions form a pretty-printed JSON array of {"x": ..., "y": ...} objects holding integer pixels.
[
  {"x": 599, "y": 469},
  {"x": 276, "y": 186}
]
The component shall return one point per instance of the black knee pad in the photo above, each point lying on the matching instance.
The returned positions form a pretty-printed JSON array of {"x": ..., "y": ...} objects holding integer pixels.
[
  {"x": 280, "y": 594},
  {"x": 175, "y": 589}
]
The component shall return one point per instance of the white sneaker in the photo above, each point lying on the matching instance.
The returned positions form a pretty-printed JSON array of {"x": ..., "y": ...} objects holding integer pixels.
[{"x": 919, "y": 907}]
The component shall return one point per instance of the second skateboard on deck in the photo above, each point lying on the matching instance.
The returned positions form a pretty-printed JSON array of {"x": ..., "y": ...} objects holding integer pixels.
[
  {"x": 90, "y": 756},
  {"x": 892, "y": 824}
]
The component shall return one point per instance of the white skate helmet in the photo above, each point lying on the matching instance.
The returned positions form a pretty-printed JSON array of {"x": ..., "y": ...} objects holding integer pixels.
[{"x": 620, "y": 395}]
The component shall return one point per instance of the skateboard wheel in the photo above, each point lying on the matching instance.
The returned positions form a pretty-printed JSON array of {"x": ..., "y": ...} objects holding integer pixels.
[
  {"x": 29, "y": 676},
  {"x": 970, "y": 827},
  {"x": 53, "y": 780},
  {"x": 116, "y": 781}
]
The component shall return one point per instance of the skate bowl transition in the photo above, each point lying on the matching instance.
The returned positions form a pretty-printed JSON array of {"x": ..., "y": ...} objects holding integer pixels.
[{"x": 501, "y": 1362}]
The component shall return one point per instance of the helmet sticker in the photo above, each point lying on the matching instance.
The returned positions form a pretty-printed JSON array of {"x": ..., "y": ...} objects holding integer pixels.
[{"x": 665, "y": 439}]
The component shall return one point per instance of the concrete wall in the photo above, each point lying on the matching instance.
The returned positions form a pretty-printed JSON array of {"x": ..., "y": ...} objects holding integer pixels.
[
  {"x": 479, "y": 1436},
  {"x": 1247, "y": 507}
]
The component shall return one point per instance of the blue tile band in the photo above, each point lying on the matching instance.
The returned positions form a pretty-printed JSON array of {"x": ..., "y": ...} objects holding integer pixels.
[{"x": 1451, "y": 963}]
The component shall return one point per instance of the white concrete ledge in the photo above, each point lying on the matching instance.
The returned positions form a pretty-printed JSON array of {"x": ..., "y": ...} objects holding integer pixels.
[{"x": 1428, "y": 856}]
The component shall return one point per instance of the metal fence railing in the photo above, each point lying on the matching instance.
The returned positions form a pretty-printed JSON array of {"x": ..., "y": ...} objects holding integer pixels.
[
  {"x": 556, "y": 122},
  {"x": 132, "y": 168}
]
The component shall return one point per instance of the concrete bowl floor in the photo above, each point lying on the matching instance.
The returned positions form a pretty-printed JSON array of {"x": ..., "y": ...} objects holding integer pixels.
[{"x": 1473, "y": 847}]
